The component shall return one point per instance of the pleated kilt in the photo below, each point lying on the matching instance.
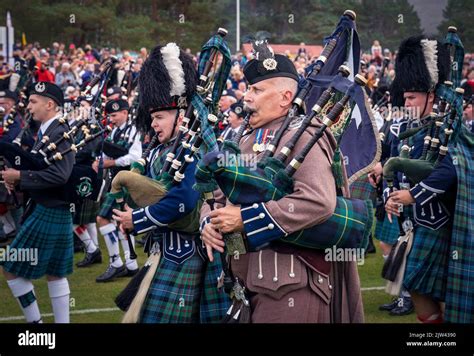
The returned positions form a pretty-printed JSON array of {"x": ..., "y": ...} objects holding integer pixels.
[
  {"x": 175, "y": 292},
  {"x": 186, "y": 293},
  {"x": 387, "y": 232},
  {"x": 426, "y": 268},
  {"x": 362, "y": 189},
  {"x": 86, "y": 212},
  {"x": 49, "y": 232},
  {"x": 215, "y": 302}
]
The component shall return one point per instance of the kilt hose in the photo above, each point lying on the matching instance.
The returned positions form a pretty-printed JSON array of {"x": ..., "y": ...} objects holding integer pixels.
[
  {"x": 86, "y": 212},
  {"x": 426, "y": 267},
  {"x": 49, "y": 232},
  {"x": 185, "y": 293}
]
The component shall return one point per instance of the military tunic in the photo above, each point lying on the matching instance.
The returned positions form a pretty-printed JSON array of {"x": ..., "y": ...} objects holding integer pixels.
[
  {"x": 288, "y": 283},
  {"x": 49, "y": 226}
]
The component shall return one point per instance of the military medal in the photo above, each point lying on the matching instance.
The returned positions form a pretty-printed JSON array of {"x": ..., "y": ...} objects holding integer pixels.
[
  {"x": 266, "y": 138},
  {"x": 256, "y": 145},
  {"x": 261, "y": 146}
]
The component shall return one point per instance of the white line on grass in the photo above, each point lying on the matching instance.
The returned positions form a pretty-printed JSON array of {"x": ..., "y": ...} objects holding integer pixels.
[
  {"x": 83, "y": 311},
  {"x": 372, "y": 288},
  {"x": 106, "y": 310}
]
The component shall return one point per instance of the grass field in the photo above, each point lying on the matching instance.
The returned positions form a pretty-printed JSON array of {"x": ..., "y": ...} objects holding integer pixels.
[{"x": 92, "y": 302}]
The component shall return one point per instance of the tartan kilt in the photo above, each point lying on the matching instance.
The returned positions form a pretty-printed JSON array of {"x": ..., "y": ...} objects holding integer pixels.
[
  {"x": 86, "y": 212},
  {"x": 387, "y": 232},
  {"x": 175, "y": 292},
  {"x": 108, "y": 204},
  {"x": 49, "y": 230},
  {"x": 215, "y": 302},
  {"x": 426, "y": 267},
  {"x": 362, "y": 189}
]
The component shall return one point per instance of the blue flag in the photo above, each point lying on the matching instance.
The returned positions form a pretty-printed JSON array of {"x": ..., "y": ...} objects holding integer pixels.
[{"x": 360, "y": 144}]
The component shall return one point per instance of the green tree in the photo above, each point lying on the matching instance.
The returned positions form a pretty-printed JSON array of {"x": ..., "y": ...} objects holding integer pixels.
[
  {"x": 131, "y": 24},
  {"x": 389, "y": 21},
  {"x": 460, "y": 13}
]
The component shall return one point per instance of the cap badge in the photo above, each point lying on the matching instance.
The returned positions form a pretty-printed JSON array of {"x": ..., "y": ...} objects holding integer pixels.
[
  {"x": 40, "y": 87},
  {"x": 270, "y": 64},
  {"x": 182, "y": 102},
  {"x": 115, "y": 106}
]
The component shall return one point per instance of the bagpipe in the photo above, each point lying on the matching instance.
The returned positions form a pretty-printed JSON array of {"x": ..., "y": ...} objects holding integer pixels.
[
  {"x": 20, "y": 106},
  {"x": 9, "y": 121},
  {"x": 144, "y": 191},
  {"x": 115, "y": 150},
  {"x": 83, "y": 181},
  {"x": 195, "y": 130},
  {"x": 435, "y": 147},
  {"x": 273, "y": 179},
  {"x": 443, "y": 127},
  {"x": 446, "y": 119},
  {"x": 128, "y": 83}
]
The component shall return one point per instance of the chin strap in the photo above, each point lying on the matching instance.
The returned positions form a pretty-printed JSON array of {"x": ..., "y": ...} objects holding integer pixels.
[
  {"x": 174, "y": 124},
  {"x": 426, "y": 103}
]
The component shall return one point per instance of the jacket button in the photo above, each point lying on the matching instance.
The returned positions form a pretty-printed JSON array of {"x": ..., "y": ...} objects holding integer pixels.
[
  {"x": 145, "y": 218},
  {"x": 261, "y": 215},
  {"x": 271, "y": 226}
]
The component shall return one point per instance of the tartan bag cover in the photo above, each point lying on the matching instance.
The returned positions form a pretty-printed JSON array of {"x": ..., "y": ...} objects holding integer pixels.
[{"x": 348, "y": 227}]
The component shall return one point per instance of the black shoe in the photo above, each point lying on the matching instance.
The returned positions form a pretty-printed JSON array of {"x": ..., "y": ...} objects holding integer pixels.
[
  {"x": 131, "y": 272},
  {"x": 389, "y": 306},
  {"x": 90, "y": 258},
  {"x": 112, "y": 273},
  {"x": 404, "y": 307}
]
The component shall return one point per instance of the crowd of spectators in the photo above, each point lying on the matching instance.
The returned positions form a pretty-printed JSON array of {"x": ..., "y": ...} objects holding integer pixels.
[{"x": 72, "y": 67}]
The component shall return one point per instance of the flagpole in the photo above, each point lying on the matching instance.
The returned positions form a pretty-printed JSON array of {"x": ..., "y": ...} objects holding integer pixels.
[
  {"x": 9, "y": 31},
  {"x": 7, "y": 50},
  {"x": 237, "y": 37}
]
